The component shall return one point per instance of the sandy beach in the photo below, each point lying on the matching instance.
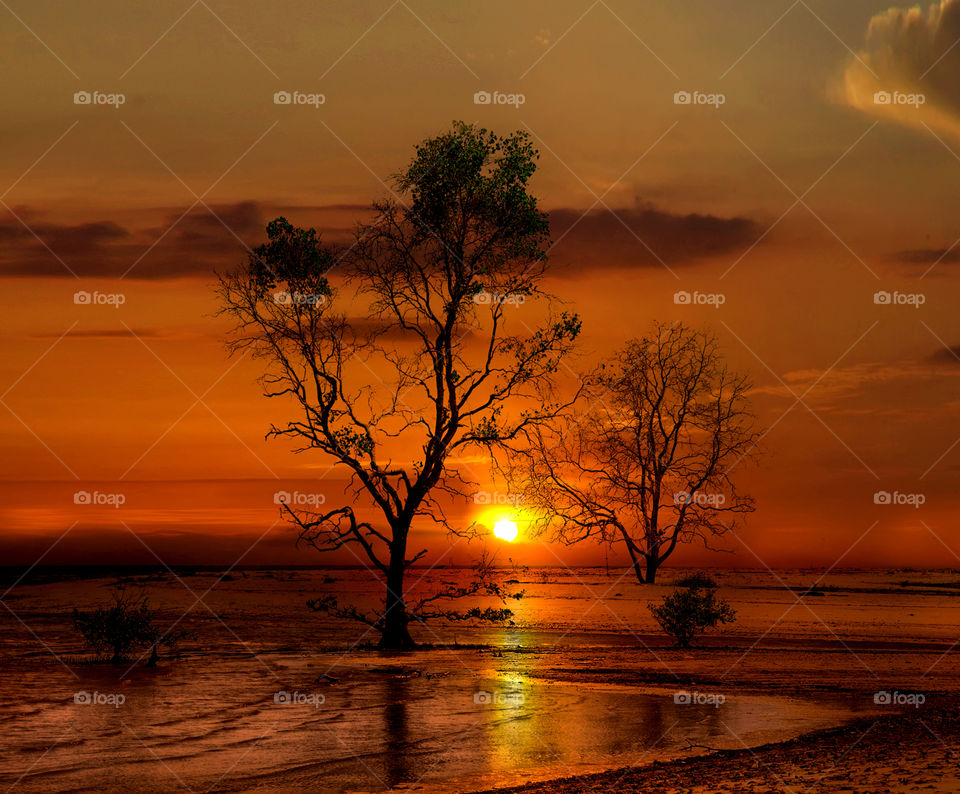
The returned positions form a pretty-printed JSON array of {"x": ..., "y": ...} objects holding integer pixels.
[{"x": 581, "y": 694}]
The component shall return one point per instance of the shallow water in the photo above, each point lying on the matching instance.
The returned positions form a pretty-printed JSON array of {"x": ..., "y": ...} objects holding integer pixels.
[
  {"x": 382, "y": 725},
  {"x": 451, "y": 720}
]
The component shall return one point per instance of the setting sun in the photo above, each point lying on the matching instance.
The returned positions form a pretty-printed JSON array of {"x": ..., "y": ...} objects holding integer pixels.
[{"x": 506, "y": 530}]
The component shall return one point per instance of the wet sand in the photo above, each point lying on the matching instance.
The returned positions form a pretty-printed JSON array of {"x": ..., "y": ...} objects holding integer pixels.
[
  {"x": 909, "y": 752},
  {"x": 582, "y": 684}
]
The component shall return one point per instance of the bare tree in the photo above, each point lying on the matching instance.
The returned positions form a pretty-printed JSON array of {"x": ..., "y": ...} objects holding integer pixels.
[
  {"x": 646, "y": 461},
  {"x": 408, "y": 363}
]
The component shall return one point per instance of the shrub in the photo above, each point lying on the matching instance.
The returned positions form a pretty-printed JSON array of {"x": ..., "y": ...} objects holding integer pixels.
[
  {"x": 686, "y": 613},
  {"x": 698, "y": 579},
  {"x": 125, "y": 626}
]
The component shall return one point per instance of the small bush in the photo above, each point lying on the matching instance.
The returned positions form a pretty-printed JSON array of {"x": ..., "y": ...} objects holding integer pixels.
[
  {"x": 698, "y": 579},
  {"x": 122, "y": 628},
  {"x": 687, "y": 613}
]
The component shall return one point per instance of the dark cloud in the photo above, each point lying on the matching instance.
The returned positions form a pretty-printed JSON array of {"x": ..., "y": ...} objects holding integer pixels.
[
  {"x": 929, "y": 256},
  {"x": 645, "y": 236},
  {"x": 27, "y": 248},
  {"x": 946, "y": 355},
  {"x": 179, "y": 244},
  {"x": 191, "y": 245}
]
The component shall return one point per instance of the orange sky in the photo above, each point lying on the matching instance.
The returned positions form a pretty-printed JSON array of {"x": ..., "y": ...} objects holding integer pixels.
[{"x": 145, "y": 199}]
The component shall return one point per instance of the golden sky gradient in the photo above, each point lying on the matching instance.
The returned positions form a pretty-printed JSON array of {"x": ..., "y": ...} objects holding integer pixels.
[{"x": 796, "y": 199}]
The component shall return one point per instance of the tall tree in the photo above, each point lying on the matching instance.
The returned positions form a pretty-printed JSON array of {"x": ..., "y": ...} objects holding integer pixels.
[
  {"x": 413, "y": 359},
  {"x": 647, "y": 459}
]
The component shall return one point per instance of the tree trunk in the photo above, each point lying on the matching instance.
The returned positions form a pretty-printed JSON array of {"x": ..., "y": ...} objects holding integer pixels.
[
  {"x": 651, "y": 570},
  {"x": 648, "y": 575},
  {"x": 154, "y": 656},
  {"x": 394, "y": 633}
]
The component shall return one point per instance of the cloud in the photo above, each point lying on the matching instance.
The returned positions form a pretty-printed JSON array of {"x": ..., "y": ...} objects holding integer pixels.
[
  {"x": 164, "y": 243},
  {"x": 946, "y": 355},
  {"x": 645, "y": 236},
  {"x": 909, "y": 69},
  {"x": 157, "y": 243},
  {"x": 929, "y": 256},
  {"x": 178, "y": 245},
  {"x": 891, "y": 389},
  {"x": 27, "y": 248}
]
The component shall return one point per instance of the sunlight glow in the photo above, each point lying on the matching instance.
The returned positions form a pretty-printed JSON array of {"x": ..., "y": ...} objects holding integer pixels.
[{"x": 506, "y": 530}]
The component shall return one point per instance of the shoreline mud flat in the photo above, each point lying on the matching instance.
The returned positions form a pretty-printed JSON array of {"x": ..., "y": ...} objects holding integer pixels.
[
  {"x": 911, "y": 751},
  {"x": 268, "y": 697}
]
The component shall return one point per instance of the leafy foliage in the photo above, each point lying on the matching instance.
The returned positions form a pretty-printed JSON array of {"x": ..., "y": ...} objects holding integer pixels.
[
  {"x": 291, "y": 256},
  {"x": 686, "y": 613}
]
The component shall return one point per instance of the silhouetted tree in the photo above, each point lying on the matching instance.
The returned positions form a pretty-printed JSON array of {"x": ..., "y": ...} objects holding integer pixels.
[
  {"x": 428, "y": 370},
  {"x": 646, "y": 458}
]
